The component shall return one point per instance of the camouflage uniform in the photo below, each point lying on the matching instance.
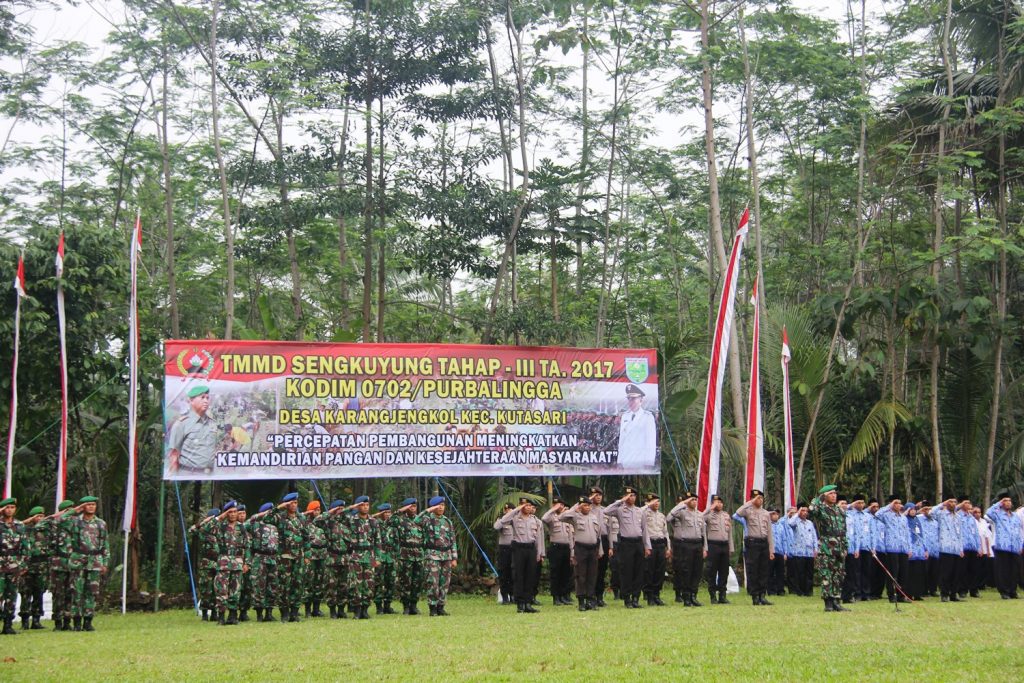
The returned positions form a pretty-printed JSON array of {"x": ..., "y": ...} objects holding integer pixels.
[
  {"x": 384, "y": 578},
  {"x": 232, "y": 557},
  {"x": 292, "y": 539},
  {"x": 60, "y": 566},
  {"x": 409, "y": 537},
  {"x": 89, "y": 556},
  {"x": 15, "y": 547},
  {"x": 314, "y": 578},
  {"x": 206, "y": 564},
  {"x": 363, "y": 536},
  {"x": 264, "y": 545},
  {"x": 831, "y": 560},
  {"x": 34, "y": 581},
  {"x": 439, "y": 550},
  {"x": 336, "y": 532}
]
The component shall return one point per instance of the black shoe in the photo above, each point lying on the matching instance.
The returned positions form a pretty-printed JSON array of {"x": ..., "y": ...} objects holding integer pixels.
[
  {"x": 714, "y": 597},
  {"x": 765, "y": 601},
  {"x": 837, "y": 606},
  {"x": 232, "y": 618},
  {"x": 658, "y": 601},
  {"x": 243, "y": 615},
  {"x": 67, "y": 624},
  {"x": 25, "y": 622},
  {"x": 77, "y": 621},
  {"x": 955, "y": 598},
  {"x": 206, "y": 616},
  {"x": 520, "y": 607},
  {"x": 268, "y": 614},
  {"x": 636, "y": 603},
  {"x": 694, "y": 602},
  {"x": 433, "y": 610},
  {"x": 380, "y": 607},
  {"x": 900, "y": 598},
  {"x": 721, "y": 598},
  {"x": 58, "y": 623},
  {"x": 582, "y": 604},
  {"x": 405, "y": 607},
  {"x": 962, "y": 596},
  {"x": 308, "y": 607},
  {"x": 220, "y": 618},
  {"x": 829, "y": 606},
  {"x": 364, "y": 612},
  {"x": 8, "y": 628},
  {"x": 535, "y": 602},
  {"x": 679, "y": 596},
  {"x": 316, "y": 609},
  {"x": 975, "y": 594},
  {"x": 529, "y": 609},
  {"x": 441, "y": 611},
  {"x": 687, "y": 600},
  {"x": 600, "y": 602},
  {"x": 259, "y": 614},
  {"x": 412, "y": 608},
  {"x": 341, "y": 612},
  {"x": 1013, "y": 596},
  {"x": 892, "y": 599},
  {"x": 615, "y": 594}
]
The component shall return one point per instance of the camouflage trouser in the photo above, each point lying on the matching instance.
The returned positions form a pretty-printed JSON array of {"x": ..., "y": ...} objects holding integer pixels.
[
  {"x": 289, "y": 582},
  {"x": 410, "y": 579},
  {"x": 385, "y": 581},
  {"x": 315, "y": 580},
  {"x": 86, "y": 590},
  {"x": 245, "y": 596},
  {"x": 207, "y": 593},
  {"x": 8, "y": 594},
  {"x": 229, "y": 588},
  {"x": 61, "y": 587},
  {"x": 831, "y": 567},
  {"x": 33, "y": 585},
  {"x": 263, "y": 579},
  {"x": 337, "y": 582},
  {"x": 439, "y": 576},
  {"x": 360, "y": 578}
]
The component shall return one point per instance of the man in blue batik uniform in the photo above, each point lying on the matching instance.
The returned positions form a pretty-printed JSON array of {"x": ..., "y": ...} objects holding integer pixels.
[
  {"x": 896, "y": 542},
  {"x": 802, "y": 550},
  {"x": 1008, "y": 545}
]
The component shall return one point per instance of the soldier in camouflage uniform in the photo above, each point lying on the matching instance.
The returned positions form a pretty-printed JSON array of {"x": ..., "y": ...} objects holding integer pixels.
[
  {"x": 291, "y": 535},
  {"x": 60, "y": 564},
  {"x": 245, "y": 597},
  {"x": 232, "y": 562},
  {"x": 336, "y": 569},
  {"x": 386, "y": 555},
  {"x": 830, "y": 562},
  {"x": 205, "y": 542},
  {"x": 409, "y": 537},
  {"x": 90, "y": 555},
  {"x": 363, "y": 544},
  {"x": 14, "y": 551},
  {"x": 34, "y": 580},
  {"x": 314, "y": 578},
  {"x": 440, "y": 554},
  {"x": 264, "y": 545}
]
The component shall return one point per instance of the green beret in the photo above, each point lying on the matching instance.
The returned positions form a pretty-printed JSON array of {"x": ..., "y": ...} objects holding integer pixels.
[
  {"x": 8, "y": 501},
  {"x": 37, "y": 510},
  {"x": 825, "y": 489},
  {"x": 88, "y": 499},
  {"x": 198, "y": 390},
  {"x": 65, "y": 504}
]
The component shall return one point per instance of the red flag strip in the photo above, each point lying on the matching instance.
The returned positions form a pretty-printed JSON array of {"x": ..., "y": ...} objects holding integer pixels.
[
  {"x": 755, "y": 429},
  {"x": 19, "y": 287},
  {"x": 789, "y": 486},
  {"x": 62, "y": 453},
  {"x": 711, "y": 436}
]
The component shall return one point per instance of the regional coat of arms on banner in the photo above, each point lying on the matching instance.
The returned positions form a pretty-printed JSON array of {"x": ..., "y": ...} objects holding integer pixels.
[{"x": 636, "y": 370}]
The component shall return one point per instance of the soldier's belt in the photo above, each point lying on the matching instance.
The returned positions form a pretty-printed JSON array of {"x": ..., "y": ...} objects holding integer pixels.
[
  {"x": 630, "y": 539},
  {"x": 693, "y": 540},
  {"x": 442, "y": 547},
  {"x": 757, "y": 541},
  {"x": 361, "y": 547},
  {"x": 265, "y": 552},
  {"x": 412, "y": 545},
  {"x": 318, "y": 547},
  {"x": 90, "y": 552},
  {"x": 715, "y": 542},
  {"x": 588, "y": 546},
  {"x": 659, "y": 541}
]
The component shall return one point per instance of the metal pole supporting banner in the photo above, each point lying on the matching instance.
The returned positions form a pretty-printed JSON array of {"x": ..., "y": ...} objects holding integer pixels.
[
  {"x": 159, "y": 545},
  {"x": 188, "y": 558}
]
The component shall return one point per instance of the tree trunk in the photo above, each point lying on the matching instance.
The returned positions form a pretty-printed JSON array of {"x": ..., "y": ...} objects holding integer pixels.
[
  {"x": 172, "y": 286},
  {"x": 382, "y": 243},
  {"x": 343, "y": 312},
  {"x": 368, "y": 199},
  {"x": 585, "y": 147},
  {"x": 229, "y": 235}
]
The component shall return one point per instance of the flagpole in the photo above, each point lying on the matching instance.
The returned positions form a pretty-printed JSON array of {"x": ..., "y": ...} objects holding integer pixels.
[
  {"x": 789, "y": 490},
  {"x": 19, "y": 286}
]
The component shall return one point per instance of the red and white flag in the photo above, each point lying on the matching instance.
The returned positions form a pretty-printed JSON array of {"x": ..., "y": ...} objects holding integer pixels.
[
  {"x": 62, "y": 453},
  {"x": 133, "y": 377},
  {"x": 711, "y": 435},
  {"x": 789, "y": 485},
  {"x": 755, "y": 429},
  {"x": 19, "y": 287}
]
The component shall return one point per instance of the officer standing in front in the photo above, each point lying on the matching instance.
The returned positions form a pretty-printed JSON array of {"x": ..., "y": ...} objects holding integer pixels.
[
  {"x": 630, "y": 549},
  {"x": 758, "y": 546},
  {"x": 505, "y": 556},
  {"x": 33, "y": 582},
  {"x": 440, "y": 554},
  {"x": 410, "y": 576},
  {"x": 596, "y": 500},
  {"x": 90, "y": 554},
  {"x": 14, "y": 549},
  {"x": 657, "y": 552},
  {"x": 689, "y": 549},
  {"x": 559, "y": 550},
  {"x": 586, "y": 549},
  {"x": 527, "y": 552},
  {"x": 718, "y": 527}
]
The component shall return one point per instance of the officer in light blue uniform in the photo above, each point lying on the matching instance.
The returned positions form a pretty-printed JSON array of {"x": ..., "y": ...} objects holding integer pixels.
[
  {"x": 1008, "y": 545},
  {"x": 971, "y": 568},
  {"x": 896, "y": 542},
  {"x": 854, "y": 531},
  {"x": 876, "y": 535},
  {"x": 802, "y": 549},
  {"x": 917, "y": 567},
  {"x": 951, "y": 547},
  {"x": 930, "y": 533},
  {"x": 783, "y": 538}
]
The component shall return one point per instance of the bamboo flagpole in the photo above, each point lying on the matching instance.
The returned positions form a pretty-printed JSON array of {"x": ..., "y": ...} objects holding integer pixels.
[
  {"x": 19, "y": 287},
  {"x": 755, "y": 429},
  {"x": 711, "y": 435},
  {"x": 133, "y": 391},
  {"x": 62, "y": 453},
  {"x": 789, "y": 486}
]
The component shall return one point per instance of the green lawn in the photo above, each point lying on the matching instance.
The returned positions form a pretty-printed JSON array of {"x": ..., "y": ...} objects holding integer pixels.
[{"x": 794, "y": 640}]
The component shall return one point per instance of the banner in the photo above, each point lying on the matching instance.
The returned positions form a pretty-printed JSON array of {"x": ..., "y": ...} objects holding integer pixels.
[{"x": 294, "y": 410}]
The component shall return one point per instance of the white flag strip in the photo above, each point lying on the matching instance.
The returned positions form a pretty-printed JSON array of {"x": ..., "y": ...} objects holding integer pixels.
[
  {"x": 62, "y": 453},
  {"x": 755, "y": 428},
  {"x": 711, "y": 434},
  {"x": 789, "y": 485},
  {"x": 133, "y": 376},
  {"x": 19, "y": 287}
]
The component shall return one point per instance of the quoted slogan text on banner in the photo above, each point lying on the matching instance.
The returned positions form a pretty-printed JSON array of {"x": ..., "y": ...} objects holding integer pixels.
[{"x": 293, "y": 410}]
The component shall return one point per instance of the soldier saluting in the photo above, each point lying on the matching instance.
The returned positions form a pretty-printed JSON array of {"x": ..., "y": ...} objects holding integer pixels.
[{"x": 14, "y": 547}]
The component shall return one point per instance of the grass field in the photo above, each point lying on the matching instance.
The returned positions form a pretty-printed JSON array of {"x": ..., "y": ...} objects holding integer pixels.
[{"x": 982, "y": 639}]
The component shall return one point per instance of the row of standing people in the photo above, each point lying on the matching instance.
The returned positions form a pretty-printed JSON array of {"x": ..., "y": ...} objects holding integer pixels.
[
  {"x": 347, "y": 558},
  {"x": 66, "y": 553}
]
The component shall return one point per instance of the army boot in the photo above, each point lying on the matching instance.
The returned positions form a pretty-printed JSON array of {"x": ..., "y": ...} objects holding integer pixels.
[
  {"x": 87, "y": 624},
  {"x": 232, "y": 617},
  {"x": 206, "y": 616},
  {"x": 308, "y": 607},
  {"x": 35, "y": 624},
  {"x": 693, "y": 600},
  {"x": 316, "y": 609},
  {"x": 243, "y": 615},
  {"x": 8, "y": 628},
  {"x": 721, "y": 598},
  {"x": 78, "y": 623},
  {"x": 67, "y": 624}
]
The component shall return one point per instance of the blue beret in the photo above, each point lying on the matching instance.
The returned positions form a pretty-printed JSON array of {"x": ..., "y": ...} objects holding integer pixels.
[
  {"x": 336, "y": 504},
  {"x": 266, "y": 506},
  {"x": 241, "y": 507},
  {"x": 408, "y": 501},
  {"x": 230, "y": 505},
  {"x": 383, "y": 506},
  {"x": 362, "y": 499},
  {"x": 436, "y": 500},
  {"x": 213, "y": 512},
  {"x": 290, "y": 497}
]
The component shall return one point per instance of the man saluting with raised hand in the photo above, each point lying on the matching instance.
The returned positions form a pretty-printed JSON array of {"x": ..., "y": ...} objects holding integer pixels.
[{"x": 758, "y": 546}]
